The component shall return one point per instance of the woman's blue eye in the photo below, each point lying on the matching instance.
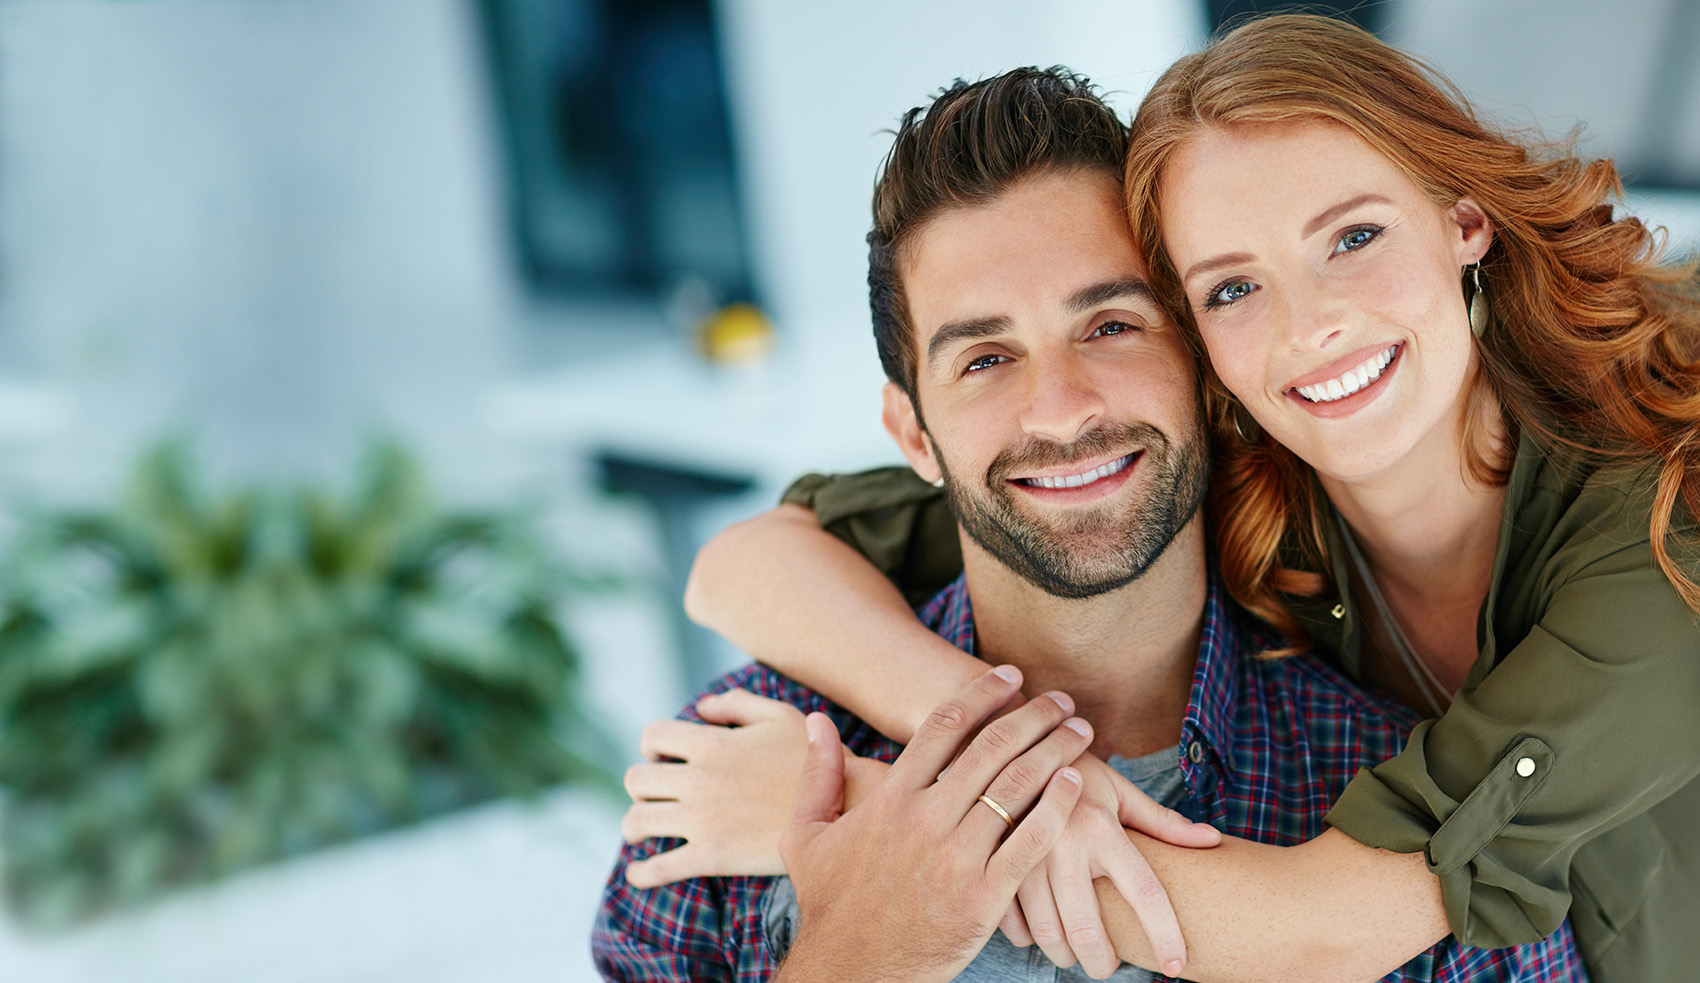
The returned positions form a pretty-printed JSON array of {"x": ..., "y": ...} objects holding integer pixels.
[
  {"x": 1357, "y": 239},
  {"x": 1228, "y": 293}
]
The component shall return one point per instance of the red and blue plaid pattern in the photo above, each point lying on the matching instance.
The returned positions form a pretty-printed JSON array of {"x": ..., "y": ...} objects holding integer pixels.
[{"x": 1266, "y": 747}]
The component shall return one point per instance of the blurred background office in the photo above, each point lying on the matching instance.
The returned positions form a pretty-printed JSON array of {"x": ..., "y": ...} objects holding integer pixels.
[{"x": 370, "y": 370}]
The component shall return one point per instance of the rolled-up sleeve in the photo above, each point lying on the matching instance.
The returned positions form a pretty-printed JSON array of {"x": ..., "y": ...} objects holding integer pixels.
[
  {"x": 1587, "y": 722},
  {"x": 889, "y": 515}
]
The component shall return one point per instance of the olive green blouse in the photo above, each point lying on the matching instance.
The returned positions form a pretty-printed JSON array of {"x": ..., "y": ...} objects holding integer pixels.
[{"x": 1562, "y": 778}]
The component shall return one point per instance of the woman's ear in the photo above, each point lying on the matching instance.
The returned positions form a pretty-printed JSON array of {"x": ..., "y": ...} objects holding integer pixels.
[
  {"x": 1475, "y": 231},
  {"x": 904, "y": 425}
]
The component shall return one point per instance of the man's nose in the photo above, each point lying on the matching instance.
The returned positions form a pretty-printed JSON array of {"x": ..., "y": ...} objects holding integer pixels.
[{"x": 1062, "y": 399}]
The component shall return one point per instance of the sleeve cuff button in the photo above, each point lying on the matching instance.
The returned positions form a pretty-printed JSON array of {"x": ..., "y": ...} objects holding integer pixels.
[{"x": 1525, "y": 767}]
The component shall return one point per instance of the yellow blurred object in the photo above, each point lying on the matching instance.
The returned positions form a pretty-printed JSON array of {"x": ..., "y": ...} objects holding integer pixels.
[{"x": 736, "y": 333}]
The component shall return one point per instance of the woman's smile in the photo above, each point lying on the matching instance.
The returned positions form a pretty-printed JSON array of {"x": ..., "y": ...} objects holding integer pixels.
[{"x": 1331, "y": 392}]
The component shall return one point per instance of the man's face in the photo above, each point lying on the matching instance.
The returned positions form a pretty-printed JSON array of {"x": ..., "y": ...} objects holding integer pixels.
[{"x": 1059, "y": 403}]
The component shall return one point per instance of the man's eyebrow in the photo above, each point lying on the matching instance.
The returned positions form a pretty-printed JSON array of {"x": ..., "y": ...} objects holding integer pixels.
[
  {"x": 1329, "y": 215},
  {"x": 1121, "y": 288},
  {"x": 1085, "y": 299},
  {"x": 964, "y": 330}
]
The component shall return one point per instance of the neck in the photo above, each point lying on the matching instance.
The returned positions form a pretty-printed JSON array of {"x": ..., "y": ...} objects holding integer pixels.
[
  {"x": 1126, "y": 656},
  {"x": 1428, "y": 532}
]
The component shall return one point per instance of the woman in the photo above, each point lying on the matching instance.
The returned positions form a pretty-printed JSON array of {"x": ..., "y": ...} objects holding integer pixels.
[{"x": 1456, "y": 408}]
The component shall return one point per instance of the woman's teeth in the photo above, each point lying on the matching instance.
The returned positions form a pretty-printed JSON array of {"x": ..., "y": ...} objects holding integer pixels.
[
  {"x": 1077, "y": 480},
  {"x": 1351, "y": 382}
]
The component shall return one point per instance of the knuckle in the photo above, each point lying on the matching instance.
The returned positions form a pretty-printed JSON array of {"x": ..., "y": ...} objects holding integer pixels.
[
  {"x": 1029, "y": 843},
  {"x": 1149, "y": 895},
  {"x": 997, "y": 738},
  {"x": 949, "y": 716},
  {"x": 1021, "y": 777},
  {"x": 1085, "y": 937},
  {"x": 1047, "y": 934}
]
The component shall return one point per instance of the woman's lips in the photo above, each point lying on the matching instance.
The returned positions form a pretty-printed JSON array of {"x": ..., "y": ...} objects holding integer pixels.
[{"x": 1348, "y": 383}]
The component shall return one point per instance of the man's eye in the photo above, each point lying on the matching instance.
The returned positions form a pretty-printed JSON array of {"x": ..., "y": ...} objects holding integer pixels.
[
  {"x": 1357, "y": 238},
  {"x": 983, "y": 362},
  {"x": 1228, "y": 293},
  {"x": 1111, "y": 328}
]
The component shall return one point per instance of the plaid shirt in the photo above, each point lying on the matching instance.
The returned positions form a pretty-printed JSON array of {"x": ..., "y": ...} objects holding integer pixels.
[{"x": 1266, "y": 747}]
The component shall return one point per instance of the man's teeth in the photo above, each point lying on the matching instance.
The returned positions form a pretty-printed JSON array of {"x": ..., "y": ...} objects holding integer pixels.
[
  {"x": 1352, "y": 381},
  {"x": 1077, "y": 480}
]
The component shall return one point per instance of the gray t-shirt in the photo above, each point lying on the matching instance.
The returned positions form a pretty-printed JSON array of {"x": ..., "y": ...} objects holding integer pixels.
[{"x": 1157, "y": 775}]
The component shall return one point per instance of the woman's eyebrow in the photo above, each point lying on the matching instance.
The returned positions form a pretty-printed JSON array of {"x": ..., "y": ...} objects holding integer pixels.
[
  {"x": 1341, "y": 209},
  {"x": 1216, "y": 263},
  {"x": 1321, "y": 220}
]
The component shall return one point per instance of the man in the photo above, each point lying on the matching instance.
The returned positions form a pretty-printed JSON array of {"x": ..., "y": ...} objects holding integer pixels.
[{"x": 1034, "y": 373}]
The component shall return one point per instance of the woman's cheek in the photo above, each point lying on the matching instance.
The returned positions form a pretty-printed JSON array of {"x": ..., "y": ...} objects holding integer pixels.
[{"x": 1234, "y": 362}]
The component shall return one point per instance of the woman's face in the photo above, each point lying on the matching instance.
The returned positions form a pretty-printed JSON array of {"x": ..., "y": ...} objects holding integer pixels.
[{"x": 1326, "y": 286}]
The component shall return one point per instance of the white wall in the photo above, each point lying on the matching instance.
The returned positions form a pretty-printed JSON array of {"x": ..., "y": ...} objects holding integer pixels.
[
  {"x": 271, "y": 220},
  {"x": 816, "y": 85}
]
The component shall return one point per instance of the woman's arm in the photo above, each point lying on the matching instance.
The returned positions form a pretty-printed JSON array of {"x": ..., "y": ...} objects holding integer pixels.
[
  {"x": 801, "y": 601},
  {"x": 1329, "y": 909}
]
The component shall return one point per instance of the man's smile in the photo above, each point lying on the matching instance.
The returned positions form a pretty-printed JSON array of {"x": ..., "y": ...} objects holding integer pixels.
[{"x": 1079, "y": 481}]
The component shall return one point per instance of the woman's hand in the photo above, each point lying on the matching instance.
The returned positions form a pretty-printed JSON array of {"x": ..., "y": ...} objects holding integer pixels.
[
  {"x": 1057, "y": 906},
  {"x": 728, "y": 794}
]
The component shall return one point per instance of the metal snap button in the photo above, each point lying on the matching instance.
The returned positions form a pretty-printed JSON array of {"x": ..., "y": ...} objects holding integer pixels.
[{"x": 1525, "y": 767}]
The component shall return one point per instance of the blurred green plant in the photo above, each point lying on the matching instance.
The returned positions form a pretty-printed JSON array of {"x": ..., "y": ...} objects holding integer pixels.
[{"x": 192, "y": 686}]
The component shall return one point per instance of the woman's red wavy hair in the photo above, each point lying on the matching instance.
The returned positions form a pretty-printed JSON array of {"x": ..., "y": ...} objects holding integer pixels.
[{"x": 1593, "y": 346}]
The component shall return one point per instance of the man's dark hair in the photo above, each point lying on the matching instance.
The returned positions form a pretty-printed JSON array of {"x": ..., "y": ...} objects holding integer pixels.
[{"x": 968, "y": 147}]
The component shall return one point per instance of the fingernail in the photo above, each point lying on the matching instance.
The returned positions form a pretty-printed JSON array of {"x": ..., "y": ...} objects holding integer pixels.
[
  {"x": 1079, "y": 726},
  {"x": 1008, "y": 674},
  {"x": 1062, "y": 699},
  {"x": 1173, "y": 967},
  {"x": 1069, "y": 774}
]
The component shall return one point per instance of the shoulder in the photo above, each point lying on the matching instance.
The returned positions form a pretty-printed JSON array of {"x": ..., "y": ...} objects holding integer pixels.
[
  {"x": 835, "y": 497},
  {"x": 1577, "y": 554},
  {"x": 1578, "y": 514}
]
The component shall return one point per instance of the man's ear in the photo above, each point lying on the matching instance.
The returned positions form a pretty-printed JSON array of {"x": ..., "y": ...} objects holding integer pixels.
[
  {"x": 904, "y": 425},
  {"x": 1475, "y": 230}
]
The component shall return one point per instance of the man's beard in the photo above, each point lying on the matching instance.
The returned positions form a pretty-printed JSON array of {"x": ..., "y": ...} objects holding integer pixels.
[{"x": 1099, "y": 548}]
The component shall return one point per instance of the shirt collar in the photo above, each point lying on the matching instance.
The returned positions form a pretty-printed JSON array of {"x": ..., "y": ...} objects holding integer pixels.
[{"x": 1207, "y": 733}]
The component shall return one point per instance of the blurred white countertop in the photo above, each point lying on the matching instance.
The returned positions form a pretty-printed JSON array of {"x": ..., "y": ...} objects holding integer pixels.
[{"x": 809, "y": 406}]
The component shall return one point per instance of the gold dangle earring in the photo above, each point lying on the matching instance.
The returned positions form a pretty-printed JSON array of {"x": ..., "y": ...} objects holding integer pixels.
[{"x": 1479, "y": 312}]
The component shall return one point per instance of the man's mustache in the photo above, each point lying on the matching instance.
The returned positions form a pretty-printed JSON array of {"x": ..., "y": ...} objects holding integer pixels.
[{"x": 1037, "y": 453}]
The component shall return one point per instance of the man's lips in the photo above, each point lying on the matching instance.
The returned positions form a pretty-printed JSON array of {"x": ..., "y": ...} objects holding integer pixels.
[{"x": 1076, "y": 476}]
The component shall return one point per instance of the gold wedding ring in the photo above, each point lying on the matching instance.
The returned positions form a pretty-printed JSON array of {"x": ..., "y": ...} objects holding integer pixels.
[{"x": 1000, "y": 810}]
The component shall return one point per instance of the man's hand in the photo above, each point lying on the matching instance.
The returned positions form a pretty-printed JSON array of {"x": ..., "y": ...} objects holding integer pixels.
[
  {"x": 911, "y": 884},
  {"x": 1058, "y": 904}
]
